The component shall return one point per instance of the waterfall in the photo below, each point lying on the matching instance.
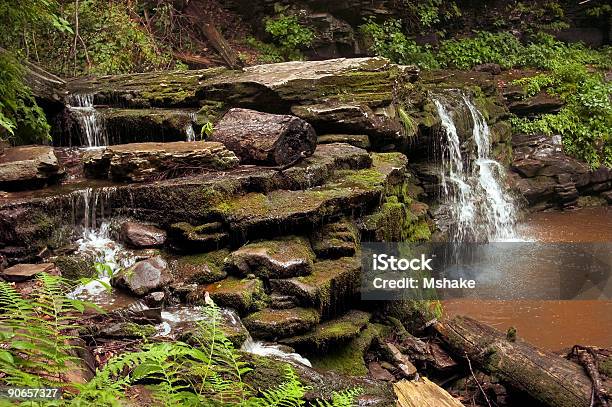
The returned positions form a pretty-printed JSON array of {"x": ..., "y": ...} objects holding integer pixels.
[
  {"x": 191, "y": 136},
  {"x": 93, "y": 133},
  {"x": 472, "y": 183},
  {"x": 264, "y": 349}
]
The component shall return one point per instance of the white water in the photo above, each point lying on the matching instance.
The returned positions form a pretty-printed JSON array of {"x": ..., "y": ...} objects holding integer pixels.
[
  {"x": 191, "y": 136},
  {"x": 89, "y": 208},
  {"x": 89, "y": 120},
  {"x": 264, "y": 349},
  {"x": 473, "y": 184}
]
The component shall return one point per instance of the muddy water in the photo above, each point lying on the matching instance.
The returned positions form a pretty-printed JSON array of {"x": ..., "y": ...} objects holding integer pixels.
[{"x": 553, "y": 325}]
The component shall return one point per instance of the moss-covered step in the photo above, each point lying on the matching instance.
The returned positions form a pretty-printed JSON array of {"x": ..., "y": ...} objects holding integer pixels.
[
  {"x": 273, "y": 324},
  {"x": 202, "y": 268},
  {"x": 348, "y": 358},
  {"x": 285, "y": 257},
  {"x": 331, "y": 288},
  {"x": 333, "y": 240},
  {"x": 329, "y": 334},
  {"x": 243, "y": 295}
]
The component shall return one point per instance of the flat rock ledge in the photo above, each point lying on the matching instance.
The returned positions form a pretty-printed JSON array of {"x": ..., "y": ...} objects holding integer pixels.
[
  {"x": 140, "y": 162},
  {"x": 28, "y": 167}
]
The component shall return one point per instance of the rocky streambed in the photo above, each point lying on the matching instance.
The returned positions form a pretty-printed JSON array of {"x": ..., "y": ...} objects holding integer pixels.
[{"x": 306, "y": 160}]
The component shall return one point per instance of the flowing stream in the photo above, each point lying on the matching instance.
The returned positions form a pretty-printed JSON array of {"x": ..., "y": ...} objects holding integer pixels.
[
  {"x": 472, "y": 183},
  {"x": 91, "y": 124}
]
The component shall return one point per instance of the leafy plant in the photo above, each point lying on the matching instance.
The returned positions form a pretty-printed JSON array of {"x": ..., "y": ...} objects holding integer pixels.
[{"x": 288, "y": 34}]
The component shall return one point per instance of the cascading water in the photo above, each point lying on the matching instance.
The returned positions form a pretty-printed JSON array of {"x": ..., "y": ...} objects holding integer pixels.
[
  {"x": 93, "y": 133},
  {"x": 191, "y": 136},
  {"x": 89, "y": 213},
  {"x": 472, "y": 182}
]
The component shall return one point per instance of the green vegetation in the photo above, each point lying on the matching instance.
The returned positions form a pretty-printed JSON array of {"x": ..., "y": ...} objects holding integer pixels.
[{"x": 38, "y": 348}]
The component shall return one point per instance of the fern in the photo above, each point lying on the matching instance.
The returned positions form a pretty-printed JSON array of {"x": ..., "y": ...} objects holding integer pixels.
[
  {"x": 288, "y": 394},
  {"x": 344, "y": 398}
]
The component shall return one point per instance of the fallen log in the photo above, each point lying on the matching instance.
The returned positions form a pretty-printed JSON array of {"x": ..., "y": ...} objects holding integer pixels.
[
  {"x": 423, "y": 393},
  {"x": 264, "y": 138},
  {"x": 547, "y": 378}
]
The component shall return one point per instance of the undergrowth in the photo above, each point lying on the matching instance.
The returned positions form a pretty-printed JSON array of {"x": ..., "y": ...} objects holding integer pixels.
[{"x": 39, "y": 343}]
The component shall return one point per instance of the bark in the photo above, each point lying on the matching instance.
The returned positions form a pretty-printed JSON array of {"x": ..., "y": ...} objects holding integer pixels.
[
  {"x": 263, "y": 138},
  {"x": 548, "y": 378},
  {"x": 423, "y": 393}
]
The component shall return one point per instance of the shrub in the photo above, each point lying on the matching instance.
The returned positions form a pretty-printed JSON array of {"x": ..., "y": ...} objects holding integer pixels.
[{"x": 289, "y": 35}]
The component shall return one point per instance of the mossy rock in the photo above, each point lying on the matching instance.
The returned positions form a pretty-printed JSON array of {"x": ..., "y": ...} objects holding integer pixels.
[
  {"x": 243, "y": 295},
  {"x": 348, "y": 358},
  {"x": 202, "y": 268},
  {"x": 335, "y": 240},
  {"x": 127, "y": 330},
  {"x": 329, "y": 334},
  {"x": 331, "y": 288},
  {"x": 279, "y": 258},
  {"x": 281, "y": 323},
  {"x": 75, "y": 266}
]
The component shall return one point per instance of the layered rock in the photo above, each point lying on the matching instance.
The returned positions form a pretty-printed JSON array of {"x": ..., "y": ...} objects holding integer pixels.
[
  {"x": 273, "y": 323},
  {"x": 146, "y": 161},
  {"x": 23, "y": 272},
  {"x": 28, "y": 167}
]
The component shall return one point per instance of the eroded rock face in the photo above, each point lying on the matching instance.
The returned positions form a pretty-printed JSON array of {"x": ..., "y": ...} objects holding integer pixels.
[
  {"x": 335, "y": 240},
  {"x": 280, "y": 258},
  {"x": 264, "y": 138},
  {"x": 140, "y": 162},
  {"x": 28, "y": 167},
  {"x": 139, "y": 235},
  {"x": 243, "y": 295},
  {"x": 144, "y": 276}
]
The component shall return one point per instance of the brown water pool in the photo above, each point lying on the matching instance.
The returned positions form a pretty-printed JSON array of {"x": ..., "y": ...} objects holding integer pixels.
[{"x": 553, "y": 325}]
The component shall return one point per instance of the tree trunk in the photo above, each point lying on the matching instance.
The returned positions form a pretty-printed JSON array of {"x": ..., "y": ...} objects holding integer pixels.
[
  {"x": 546, "y": 377},
  {"x": 264, "y": 138}
]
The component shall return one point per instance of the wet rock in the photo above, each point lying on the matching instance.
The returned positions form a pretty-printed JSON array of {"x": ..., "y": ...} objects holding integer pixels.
[
  {"x": 264, "y": 138},
  {"x": 140, "y": 162},
  {"x": 607, "y": 196},
  {"x": 274, "y": 323},
  {"x": 280, "y": 258},
  {"x": 243, "y": 295},
  {"x": 349, "y": 118},
  {"x": 330, "y": 288},
  {"x": 541, "y": 103},
  {"x": 279, "y": 301},
  {"x": 333, "y": 37},
  {"x": 28, "y": 167},
  {"x": 23, "y": 272},
  {"x": 155, "y": 299},
  {"x": 203, "y": 268},
  {"x": 139, "y": 235},
  {"x": 208, "y": 236},
  {"x": 228, "y": 322},
  {"x": 379, "y": 373},
  {"x": 494, "y": 69},
  {"x": 357, "y": 140},
  {"x": 330, "y": 333},
  {"x": 335, "y": 240},
  {"x": 144, "y": 276},
  {"x": 400, "y": 360}
]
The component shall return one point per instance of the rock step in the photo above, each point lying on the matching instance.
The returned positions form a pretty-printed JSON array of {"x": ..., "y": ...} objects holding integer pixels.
[
  {"x": 273, "y": 324},
  {"x": 279, "y": 258},
  {"x": 244, "y": 295},
  {"x": 140, "y": 162},
  {"x": 279, "y": 301},
  {"x": 331, "y": 288},
  {"x": 28, "y": 167},
  {"x": 329, "y": 333}
]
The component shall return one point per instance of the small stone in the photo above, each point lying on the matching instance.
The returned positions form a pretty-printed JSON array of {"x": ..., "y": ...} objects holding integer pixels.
[
  {"x": 23, "y": 272},
  {"x": 139, "y": 235},
  {"x": 379, "y": 373},
  {"x": 144, "y": 276},
  {"x": 155, "y": 299}
]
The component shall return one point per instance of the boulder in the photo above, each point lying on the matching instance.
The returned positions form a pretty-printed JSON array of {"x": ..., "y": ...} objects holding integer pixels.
[
  {"x": 264, "y": 138},
  {"x": 145, "y": 276},
  {"x": 28, "y": 167},
  {"x": 243, "y": 295},
  {"x": 23, "y": 272},
  {"x": 541, "y": 103},
  {"x": 140, "y": 162},
  {"x": 281, "y": 323},
  {"x": 189, "y": 238},
  {"x": 280, "y": 258},
  {"x": 139, "y": 235}
]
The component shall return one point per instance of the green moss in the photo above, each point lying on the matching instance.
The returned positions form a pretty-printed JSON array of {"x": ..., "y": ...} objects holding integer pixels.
[
  {"x": 75, "y": 267},
  {"x": 605, "y": 367},
  {"x": 419, "y": 231},
  {"x": 348, "y": 359}
]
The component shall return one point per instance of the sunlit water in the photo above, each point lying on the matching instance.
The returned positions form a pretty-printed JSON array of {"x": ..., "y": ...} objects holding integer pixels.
[{"x": 90, "y": 121}]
